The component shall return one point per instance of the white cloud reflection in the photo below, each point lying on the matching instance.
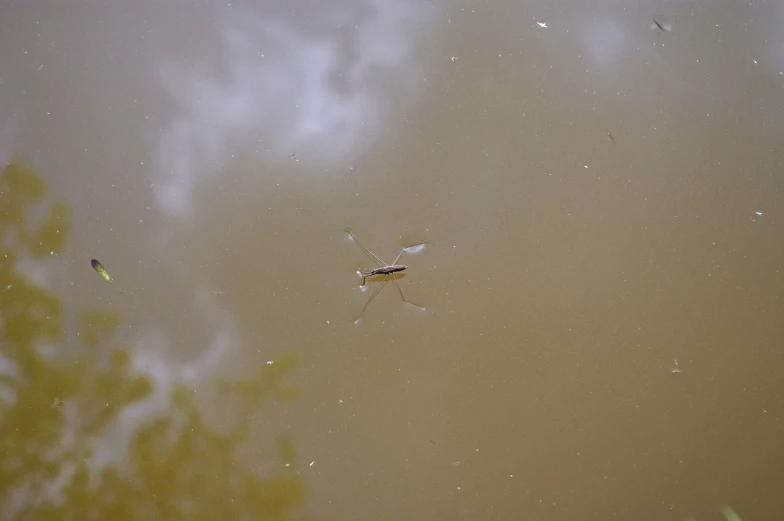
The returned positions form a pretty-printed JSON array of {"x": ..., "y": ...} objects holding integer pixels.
[
  {"x": 603, "y": 40},
  {"x": 284, "y": 90}
]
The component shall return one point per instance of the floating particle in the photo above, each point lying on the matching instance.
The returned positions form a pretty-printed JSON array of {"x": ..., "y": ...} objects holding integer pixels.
[{"x": 97, "y": 266}]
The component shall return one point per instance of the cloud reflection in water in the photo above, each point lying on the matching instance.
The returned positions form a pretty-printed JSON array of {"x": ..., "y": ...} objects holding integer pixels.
[{"x": 282, "y": 90}]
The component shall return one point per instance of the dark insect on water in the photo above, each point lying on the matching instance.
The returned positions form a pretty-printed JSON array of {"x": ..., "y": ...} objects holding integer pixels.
[
  {"x": 387, "y": 270},
  {"x": 97, "y": 266},
  {"x": 661, "y": 26}
]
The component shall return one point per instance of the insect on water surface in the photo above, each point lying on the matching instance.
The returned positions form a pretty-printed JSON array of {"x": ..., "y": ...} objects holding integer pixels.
[
  {"x": 387, "y": 270},
  {"x": 97, "y": 266}
]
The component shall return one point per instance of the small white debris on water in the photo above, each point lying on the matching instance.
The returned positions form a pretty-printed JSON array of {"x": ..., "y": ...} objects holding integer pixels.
[
  {"x": 454, "y": 58},
  {"x": 542, "y": 24},
  {"x": 311, "y": 463},
  {"x": 676, "y": 369},
  {"x": 270, "y": 362},
  {"x": 759, "y": 213}
]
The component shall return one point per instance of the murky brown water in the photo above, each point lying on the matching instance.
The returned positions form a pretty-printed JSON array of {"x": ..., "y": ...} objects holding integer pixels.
[{"x": 602, "y": 280}]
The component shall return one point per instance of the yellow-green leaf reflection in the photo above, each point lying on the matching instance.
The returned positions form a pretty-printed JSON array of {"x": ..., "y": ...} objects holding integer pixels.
[
  {"x": 57, "y": 401},
  {"x": 98, "y": 326},
  {"x": 52, "y": 233},
  {"x": 21, "y": 182}
]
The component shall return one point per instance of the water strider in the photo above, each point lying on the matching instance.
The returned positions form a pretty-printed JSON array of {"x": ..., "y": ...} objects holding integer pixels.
[{"x": 388, "y": 270}]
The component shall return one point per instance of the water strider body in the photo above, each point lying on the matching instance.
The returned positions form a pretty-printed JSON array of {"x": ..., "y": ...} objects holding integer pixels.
[
  {"x": 384, "y": 270},
  {"x": 387, "y": 270}
]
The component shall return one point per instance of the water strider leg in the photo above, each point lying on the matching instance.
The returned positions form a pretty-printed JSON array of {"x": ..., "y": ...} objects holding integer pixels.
[
  {"x": 369, "y": 253},
  {"x": 365, "y": 276},
  {"x": 407, "y": 248},
  {"x": 394, "y": 279},
  {"x": 371, "y": 299}
]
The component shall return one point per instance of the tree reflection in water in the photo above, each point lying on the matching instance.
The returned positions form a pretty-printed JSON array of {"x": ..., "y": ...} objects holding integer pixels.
[{"x": 56, "y": 399}]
